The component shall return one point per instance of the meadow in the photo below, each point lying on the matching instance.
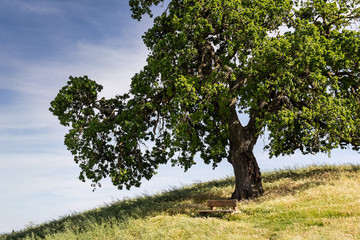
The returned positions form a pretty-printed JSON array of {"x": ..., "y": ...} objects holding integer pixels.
[{"x": 318, "y": 202}]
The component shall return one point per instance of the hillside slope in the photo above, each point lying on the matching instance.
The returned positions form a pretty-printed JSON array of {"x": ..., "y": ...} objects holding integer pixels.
[{"x": 320, "y": 202}]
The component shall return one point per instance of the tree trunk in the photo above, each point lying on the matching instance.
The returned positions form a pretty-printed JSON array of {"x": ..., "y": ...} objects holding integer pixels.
[{"x": 247, "y": 172}]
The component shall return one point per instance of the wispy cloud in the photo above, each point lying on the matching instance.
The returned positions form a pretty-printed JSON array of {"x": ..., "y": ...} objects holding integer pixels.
[
  {"x": 26, "y": 125},
  {"x": 38, "y": 7},
  {"x": 32, "y": 6}
]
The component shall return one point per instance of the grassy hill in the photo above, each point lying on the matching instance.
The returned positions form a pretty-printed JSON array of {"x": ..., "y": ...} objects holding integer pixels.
[{"x": 310, "y": 203}]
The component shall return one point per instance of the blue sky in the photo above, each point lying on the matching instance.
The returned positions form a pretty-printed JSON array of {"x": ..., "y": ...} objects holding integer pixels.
[{"x": 42, "y": 43}]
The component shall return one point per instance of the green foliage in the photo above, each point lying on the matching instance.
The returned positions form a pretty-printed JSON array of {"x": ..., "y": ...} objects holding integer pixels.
[
  {"x": 315, "y": 70},
  {"x": 105, "y": 135},
  {"x": 309, "y": 203},
  {"x": 292, "y": 66},
  {"x": 141, "y": 7}
]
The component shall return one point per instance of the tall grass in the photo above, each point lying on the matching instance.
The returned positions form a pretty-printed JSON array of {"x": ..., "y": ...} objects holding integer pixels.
[{"x": 310, "y": 203}]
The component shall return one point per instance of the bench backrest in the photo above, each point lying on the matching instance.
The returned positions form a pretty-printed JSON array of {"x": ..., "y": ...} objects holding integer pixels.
[{"x": 223, "y": 203}]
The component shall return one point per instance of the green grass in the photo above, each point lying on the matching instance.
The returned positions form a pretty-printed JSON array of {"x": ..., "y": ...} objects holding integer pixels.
[{"x": 319, "y": 202}]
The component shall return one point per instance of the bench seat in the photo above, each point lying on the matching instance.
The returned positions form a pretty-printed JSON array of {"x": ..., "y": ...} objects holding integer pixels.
[{"x": 231, "y": 206}]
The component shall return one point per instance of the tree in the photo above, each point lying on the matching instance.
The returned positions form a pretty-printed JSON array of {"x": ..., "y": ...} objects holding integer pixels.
[{"x": 291, "y": 66}]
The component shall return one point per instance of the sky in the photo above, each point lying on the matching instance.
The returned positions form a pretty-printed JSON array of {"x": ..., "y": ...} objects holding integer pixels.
[{"x": 42, "y": 43}]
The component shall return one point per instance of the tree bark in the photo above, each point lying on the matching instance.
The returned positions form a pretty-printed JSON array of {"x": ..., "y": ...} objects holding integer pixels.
[{"x": 247, "y": 172}]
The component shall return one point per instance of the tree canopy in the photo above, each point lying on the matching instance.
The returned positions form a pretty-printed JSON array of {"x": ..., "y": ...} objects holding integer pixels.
[{"x": 291, "y": 66}]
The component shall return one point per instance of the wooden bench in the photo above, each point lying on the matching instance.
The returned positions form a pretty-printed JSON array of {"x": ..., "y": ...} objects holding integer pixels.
[{"x": 231, "y": 206}]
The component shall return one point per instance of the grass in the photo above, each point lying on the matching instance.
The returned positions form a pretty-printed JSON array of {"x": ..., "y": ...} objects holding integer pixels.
[{"x": 319, "y": 202}]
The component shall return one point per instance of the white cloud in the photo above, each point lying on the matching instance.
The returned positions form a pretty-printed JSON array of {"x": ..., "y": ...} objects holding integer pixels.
[
  {"x": 111, "y": 65},
  {"x": 38, "y": 7},
  {"x": 38, "y": 82}
]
